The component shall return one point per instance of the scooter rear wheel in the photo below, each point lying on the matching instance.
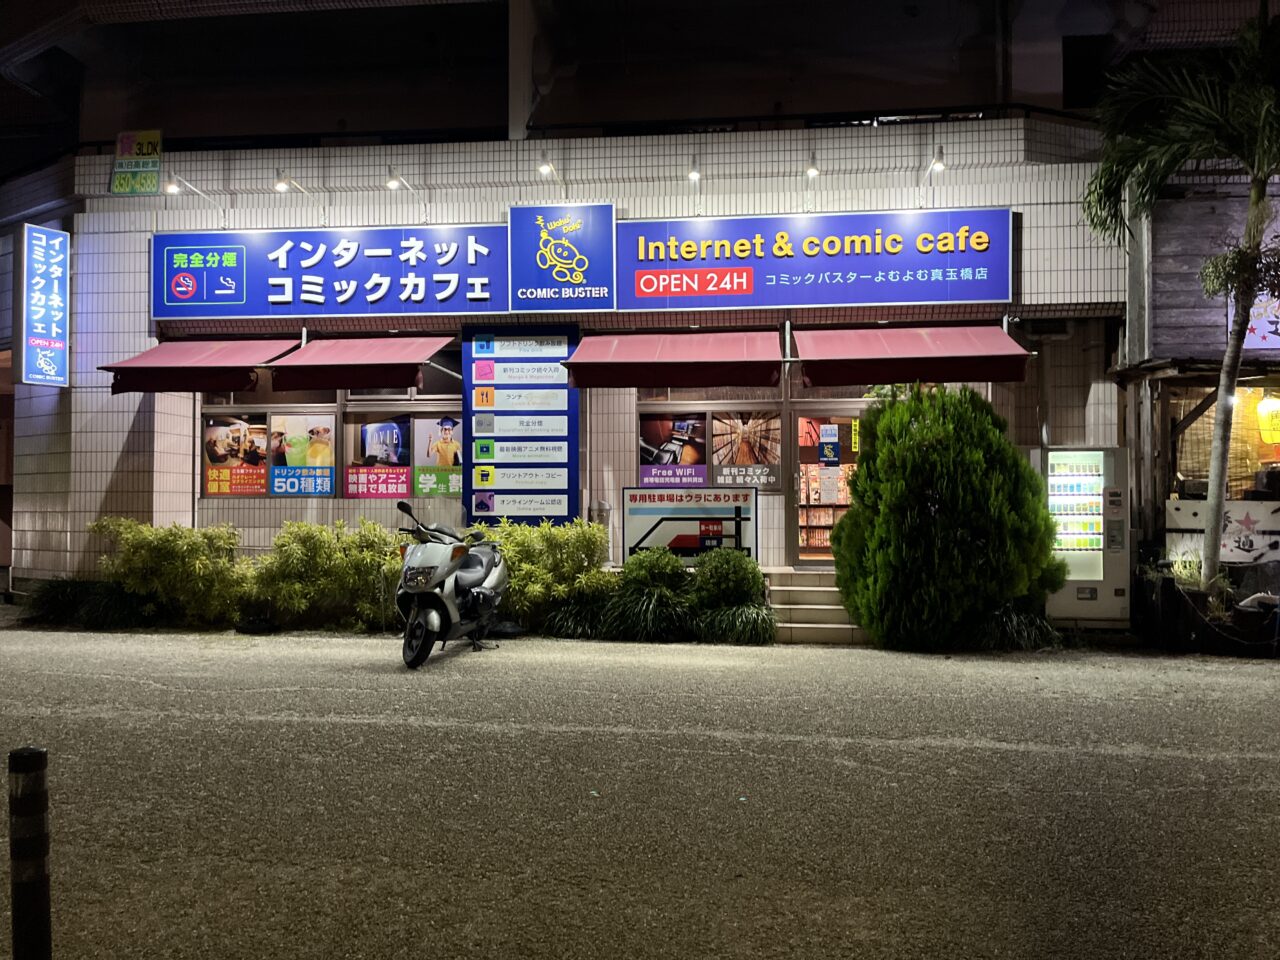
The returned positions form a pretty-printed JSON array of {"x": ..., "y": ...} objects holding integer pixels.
[{"x": 418, "y": 641}]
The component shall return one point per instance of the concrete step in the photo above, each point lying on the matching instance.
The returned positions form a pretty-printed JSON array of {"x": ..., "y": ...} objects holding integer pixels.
[
  {"x": 794, "y": 613},
  {"x": 789, "y": 577},
  {"x": 833, "y": 633},
  {"x": 788, "y": 594}
]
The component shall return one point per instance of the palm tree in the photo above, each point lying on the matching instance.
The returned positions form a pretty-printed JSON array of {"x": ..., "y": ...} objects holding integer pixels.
[{"x": 1219, "y": 109}]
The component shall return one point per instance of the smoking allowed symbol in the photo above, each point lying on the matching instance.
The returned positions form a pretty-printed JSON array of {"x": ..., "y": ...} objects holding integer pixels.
[{"x": 559, "y": 256}]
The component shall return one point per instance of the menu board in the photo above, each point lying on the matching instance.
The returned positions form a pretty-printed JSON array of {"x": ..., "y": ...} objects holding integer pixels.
[{"x": 521, "y": 459}]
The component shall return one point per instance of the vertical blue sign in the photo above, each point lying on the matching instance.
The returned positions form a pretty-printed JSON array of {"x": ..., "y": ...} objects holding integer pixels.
[
  {"x": 521, "y": 456},
  {"x": 561, "y": 257},
  {"x": 44, "y": 289}
]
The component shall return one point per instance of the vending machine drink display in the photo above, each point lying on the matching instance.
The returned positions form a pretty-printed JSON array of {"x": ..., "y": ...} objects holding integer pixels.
[{"x": 1089, "y": 501}]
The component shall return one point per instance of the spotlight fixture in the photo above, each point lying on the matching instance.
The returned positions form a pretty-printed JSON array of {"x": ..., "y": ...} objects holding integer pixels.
[
  {"x": 284, "y": 183},
  {"x": 393, "y": 179},
  {"x": 936, "y": 165},
  {"x": 811, "y": 171},
  {"x": 694, "y": 173},
  {"x": 545, "y": 166},
  {"x": 174, "y": 185}
]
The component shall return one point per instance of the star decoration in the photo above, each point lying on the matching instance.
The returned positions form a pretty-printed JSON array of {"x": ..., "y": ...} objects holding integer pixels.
[{"x": 1248, "y": 522}]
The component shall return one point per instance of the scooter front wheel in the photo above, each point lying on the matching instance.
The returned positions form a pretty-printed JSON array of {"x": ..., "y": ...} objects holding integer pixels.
[{"x": 418, "y": 640}]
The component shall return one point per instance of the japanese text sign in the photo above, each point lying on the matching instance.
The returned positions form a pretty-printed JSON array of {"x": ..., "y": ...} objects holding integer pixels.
[
  {"x": 44, "y": 305},
  {"x": 562, "y": 257},
  {"x": 136, "y": 171},
  {"x": 689, "y": 522},
  {"x": 842, "y": 259},
  {"x": 338, "y": 272},
  {"x": 522, "y": 461}
]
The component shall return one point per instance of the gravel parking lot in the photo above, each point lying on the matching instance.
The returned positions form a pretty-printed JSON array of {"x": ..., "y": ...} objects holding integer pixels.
[{"x": 224, "y": 796}]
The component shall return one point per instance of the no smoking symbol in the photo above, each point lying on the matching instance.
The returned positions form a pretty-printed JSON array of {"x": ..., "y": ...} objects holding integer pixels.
[{"x": 183, "y": 286}]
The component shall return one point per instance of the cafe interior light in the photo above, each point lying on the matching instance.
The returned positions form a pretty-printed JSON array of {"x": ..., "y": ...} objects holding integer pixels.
[{"x": 1269, "y": 418}]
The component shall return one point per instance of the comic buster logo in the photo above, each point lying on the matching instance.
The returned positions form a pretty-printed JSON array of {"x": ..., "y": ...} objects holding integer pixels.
[{"x": 558, "y": 254}]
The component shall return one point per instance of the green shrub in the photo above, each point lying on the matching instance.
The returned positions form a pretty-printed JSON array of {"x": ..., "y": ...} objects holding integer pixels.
[
  {"x": 322, "y": 576},
  {"x": 726, "y": 578},
  {"x": 174, "y": 573},
  {"x": 581, "y": 614},
  {"x": 947, "y": 524},
  {"x": 743, "y": 623},
  {"x": 654, "y": 599},
  {"x": 546, "y": 565},
  {"x": 89, "y": 604}
]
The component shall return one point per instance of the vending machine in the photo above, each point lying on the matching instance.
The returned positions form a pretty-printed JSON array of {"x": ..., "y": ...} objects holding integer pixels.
[{"x": 1089, "y": 500}]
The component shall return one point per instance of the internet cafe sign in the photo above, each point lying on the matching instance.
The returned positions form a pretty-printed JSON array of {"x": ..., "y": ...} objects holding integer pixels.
[{"x": 554, "y": 258}]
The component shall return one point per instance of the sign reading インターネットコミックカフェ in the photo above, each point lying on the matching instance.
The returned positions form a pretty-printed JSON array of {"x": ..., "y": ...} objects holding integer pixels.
[
  {"x": 522, "y": 457},
  {"x": 317, "y": 273},
  {"x": 557, "y": 258},
  {"x": 44, "y": 309}
]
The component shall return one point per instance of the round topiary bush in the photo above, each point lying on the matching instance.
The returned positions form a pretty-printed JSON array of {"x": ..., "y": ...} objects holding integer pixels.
[
  {"x": 726, "y": 578},
  {"x": 653, "y": 601},
  {"x": 947, "y": 525}
]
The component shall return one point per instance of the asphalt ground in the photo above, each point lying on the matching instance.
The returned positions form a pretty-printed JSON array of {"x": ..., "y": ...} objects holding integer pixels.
[{"x": 302, "y": 796}]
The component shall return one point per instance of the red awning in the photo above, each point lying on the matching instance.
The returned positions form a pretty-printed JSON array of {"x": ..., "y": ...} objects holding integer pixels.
[
  {"x": 356, "y": 363},
  {"x": 189, "y": 366},
  {"x": 838, "y": 358},
  {"x": 744, "y": 359}
]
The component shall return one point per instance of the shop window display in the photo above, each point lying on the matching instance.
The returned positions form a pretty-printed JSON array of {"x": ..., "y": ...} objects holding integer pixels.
[{"x": 828, "y": 452}]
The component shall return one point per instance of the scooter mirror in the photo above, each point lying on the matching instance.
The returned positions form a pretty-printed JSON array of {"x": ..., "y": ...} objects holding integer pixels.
[{"x": 403, "y": 507}]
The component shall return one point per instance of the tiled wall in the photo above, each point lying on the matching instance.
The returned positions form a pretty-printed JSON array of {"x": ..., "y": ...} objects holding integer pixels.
[
  {"x": 1084, "y": 403},
  {"x": 83, "y": 452}
]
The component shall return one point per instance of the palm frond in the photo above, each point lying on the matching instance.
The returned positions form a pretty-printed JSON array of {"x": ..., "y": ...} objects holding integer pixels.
[{"x": 1161, "y": 112}]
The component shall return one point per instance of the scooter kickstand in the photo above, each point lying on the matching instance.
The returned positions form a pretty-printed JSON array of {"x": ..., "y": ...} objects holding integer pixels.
[{"x": 478, "y": 644}]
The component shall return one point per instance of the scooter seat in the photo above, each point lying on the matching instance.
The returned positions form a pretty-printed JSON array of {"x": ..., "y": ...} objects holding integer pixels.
[{"x": 474, "y": 568}]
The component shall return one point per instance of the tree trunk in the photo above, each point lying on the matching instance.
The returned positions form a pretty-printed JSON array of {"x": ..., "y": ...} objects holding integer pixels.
[{"x": 1244, "y": 294}]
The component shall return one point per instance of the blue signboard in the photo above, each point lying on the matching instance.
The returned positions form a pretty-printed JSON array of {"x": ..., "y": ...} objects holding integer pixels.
[
  {"x": 337, "y": 272},
  {"x": 816, "y": 260},
  {"x": 562, "y": 257},
  {"x": 46, "y": 259},
  {"x": 302, "y": 481},
  {"x": 522, "y": 459}
]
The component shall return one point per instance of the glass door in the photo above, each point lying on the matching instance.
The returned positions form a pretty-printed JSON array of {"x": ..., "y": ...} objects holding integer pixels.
[{"x": 826, "y": 452}]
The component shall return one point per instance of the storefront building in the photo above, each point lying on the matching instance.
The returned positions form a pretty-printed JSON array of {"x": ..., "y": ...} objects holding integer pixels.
[
  {"x": 252, "y": 355},
  {"x": 1172, "y": 356}
]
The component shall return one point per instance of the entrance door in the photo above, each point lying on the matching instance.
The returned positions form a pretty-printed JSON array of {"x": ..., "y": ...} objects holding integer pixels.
[{"x": 826, "y": 454}]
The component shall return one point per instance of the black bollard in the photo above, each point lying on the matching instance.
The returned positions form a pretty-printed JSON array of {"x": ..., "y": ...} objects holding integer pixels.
[{"x": 29, "y": 853}]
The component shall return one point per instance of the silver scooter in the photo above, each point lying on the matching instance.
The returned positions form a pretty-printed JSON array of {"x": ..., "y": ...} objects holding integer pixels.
[{"x": 448, "y": 588}]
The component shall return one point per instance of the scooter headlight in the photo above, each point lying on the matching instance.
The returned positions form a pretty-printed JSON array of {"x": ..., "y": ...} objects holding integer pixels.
[{"x": 418, "y": 576}]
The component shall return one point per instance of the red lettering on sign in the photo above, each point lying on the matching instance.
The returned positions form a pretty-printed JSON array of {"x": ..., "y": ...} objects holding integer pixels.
[{"x": 710, "y": 528}]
